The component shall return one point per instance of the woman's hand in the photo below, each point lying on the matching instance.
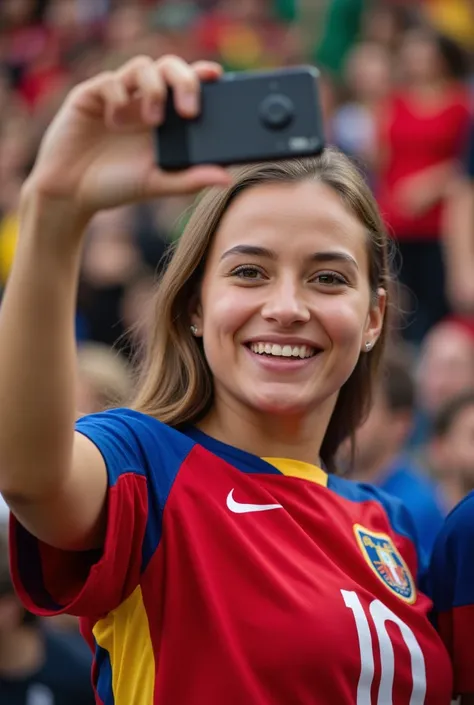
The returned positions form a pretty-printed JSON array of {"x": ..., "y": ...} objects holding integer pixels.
[{"x": 99, "y": 151}]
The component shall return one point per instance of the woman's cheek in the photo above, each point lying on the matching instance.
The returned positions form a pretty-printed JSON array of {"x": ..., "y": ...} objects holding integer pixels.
[{"x": 344, "y": 322}]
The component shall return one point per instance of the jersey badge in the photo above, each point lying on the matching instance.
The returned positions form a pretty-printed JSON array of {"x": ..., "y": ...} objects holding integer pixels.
[{"x": 386, "y": 562}]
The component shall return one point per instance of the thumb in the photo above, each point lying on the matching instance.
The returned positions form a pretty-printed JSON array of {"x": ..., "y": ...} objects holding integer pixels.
[{"x": 166, "y": 183}]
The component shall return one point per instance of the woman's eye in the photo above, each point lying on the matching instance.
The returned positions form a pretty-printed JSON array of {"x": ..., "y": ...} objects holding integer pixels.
[
  {"x": 330, "y": 279},
  {"x": 245, "y": 272}
]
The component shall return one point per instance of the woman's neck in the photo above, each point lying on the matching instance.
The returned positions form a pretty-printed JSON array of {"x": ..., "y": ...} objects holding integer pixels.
[
  {"x": 269, "y": 435},
  {"x": 427, "y": 89}
]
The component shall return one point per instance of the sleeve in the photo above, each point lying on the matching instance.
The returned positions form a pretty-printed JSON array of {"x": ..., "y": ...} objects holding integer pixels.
[
  {"x": 451, "y": 586},
  {"x": 141, "y": 467}
]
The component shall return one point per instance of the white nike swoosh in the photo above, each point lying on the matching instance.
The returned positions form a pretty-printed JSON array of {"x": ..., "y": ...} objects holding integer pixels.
[{"x": 239, "y": 508}]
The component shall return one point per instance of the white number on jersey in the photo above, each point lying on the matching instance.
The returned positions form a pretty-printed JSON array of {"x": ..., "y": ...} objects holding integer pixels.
[{"x": 380, "y": 615}]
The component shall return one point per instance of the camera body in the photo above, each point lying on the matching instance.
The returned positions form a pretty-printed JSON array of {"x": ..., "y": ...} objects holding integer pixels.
[{"x": 246, "y": 117}]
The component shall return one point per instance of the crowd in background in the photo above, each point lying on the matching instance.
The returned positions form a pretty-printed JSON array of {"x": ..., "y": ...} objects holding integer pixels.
[{"x": 397, "y": 96}]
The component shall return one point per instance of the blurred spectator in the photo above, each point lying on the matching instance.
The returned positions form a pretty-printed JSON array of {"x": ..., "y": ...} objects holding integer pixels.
[
  {"x": 386, "y": 22},
  {"x": 445, "y": 369},
  {"x": 451, "y": 447},
  {"x": 422, "y": 131},
  {"x": 379, "y": 451},
  {"x": 340, "y": 28},
  {"x": 368, "y": 78},
  {"x": 104, "y": 378},
  {"x": 459, "y": 236},
  {"x": 37, "y": 667},
  {"x": 111, "y": 259},
  {"x": 136, "y": 308}
]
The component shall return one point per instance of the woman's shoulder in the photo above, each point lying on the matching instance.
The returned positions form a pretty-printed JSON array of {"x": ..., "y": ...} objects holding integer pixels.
[
  {"x": 132, "y": 435},
  {"x": 398, "y": 516}
]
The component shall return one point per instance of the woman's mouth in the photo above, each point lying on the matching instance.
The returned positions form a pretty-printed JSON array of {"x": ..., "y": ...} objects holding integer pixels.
[{"x": 286, "y": 351}]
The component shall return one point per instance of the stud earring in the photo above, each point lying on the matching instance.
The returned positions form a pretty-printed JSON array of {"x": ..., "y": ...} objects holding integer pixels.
[
  {"x": 193, "y": 329},
  {"x": 368, "y": 346}
]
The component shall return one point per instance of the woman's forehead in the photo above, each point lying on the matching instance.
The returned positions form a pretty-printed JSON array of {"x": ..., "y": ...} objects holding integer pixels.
[{"x": 282, "y": 216}]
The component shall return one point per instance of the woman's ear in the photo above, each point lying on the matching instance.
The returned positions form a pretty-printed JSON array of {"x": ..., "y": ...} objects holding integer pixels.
[
  {"x": 375, "y": 319},
  {"x": 195, "y": 315}
]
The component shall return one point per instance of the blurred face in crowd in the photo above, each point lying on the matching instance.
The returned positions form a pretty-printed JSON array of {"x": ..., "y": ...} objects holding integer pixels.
[
  {"x": 446, "y": 366},
  {"x": 125, "y": 28},
  {"x": 368, "y": 72},
  {"x": 420, "y": 58},
  {"x": 285, "y": 303},
  {"x": 10, "y": 613},
  {"x": 381, "y": 435},
  {"x": 110, "y": 257},
  {"x": 453, "y": 453}
]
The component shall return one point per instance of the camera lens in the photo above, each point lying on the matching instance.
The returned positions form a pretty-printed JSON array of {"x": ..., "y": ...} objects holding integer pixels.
[{"x": 276, "y": 111}]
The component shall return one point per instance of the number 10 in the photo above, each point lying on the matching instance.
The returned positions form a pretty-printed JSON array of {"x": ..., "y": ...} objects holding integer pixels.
[{"x": 380, "y": 615}]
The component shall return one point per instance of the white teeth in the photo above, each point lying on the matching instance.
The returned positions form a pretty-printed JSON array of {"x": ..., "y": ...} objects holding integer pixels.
[{"x": 301, "y": 351}]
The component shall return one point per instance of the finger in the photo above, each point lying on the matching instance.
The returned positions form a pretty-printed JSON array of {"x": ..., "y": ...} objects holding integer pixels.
[
  {"x": 189, "y": 181},
  {"x": 184, "y": 82},
  {"x": 207, "y": 70},
  {"x": 100, "y": 97},
  {"x": 114, "y": 97},
  {"x": 142, "y": 80}
]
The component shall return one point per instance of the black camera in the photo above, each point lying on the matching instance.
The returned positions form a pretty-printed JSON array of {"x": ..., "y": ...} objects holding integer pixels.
[{"x": 246, "y": 117}]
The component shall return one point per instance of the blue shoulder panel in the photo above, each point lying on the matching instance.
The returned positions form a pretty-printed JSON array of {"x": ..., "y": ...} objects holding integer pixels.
[
  {"x": 131, "y": 442},
  {"x": 399, "y": 517}
]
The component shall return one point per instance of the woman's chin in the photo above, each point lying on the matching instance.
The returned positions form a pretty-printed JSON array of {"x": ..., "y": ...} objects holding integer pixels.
[{"x": 280, "y": 405}]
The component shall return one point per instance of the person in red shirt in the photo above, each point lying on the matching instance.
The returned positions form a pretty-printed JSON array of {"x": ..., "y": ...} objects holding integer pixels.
[
  {"x": 202, "y": 535},
  {"x": 423, "y": 128}
]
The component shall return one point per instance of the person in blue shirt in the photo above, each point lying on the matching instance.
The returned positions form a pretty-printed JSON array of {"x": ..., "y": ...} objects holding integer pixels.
[
  {"x": 380, "y": 456},
  {"x": 450, "y": 583}
]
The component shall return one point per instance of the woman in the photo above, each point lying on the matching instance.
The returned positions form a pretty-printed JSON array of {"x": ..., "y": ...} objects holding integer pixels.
[
  {"x": 423, "y": 132},
  {"x": 210, "y": 556}
]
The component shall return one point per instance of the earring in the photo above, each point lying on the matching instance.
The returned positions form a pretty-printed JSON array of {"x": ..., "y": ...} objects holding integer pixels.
[
  {"x": 193, "y": 329},
  {"x": 368, "y": 346}
]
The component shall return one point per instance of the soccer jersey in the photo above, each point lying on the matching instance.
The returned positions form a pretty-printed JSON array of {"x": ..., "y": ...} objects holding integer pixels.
[
  {"x": 451, "y": 583},
  {"x": 229, "y": 578}
]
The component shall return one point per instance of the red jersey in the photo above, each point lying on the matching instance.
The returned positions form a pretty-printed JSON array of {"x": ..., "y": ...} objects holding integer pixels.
[
  {"x": 228, "y": 578},
  {"x": 415, "y": 142}
]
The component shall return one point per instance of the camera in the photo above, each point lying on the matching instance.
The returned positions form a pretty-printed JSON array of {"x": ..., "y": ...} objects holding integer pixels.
[{"x": 246, "y": 117}]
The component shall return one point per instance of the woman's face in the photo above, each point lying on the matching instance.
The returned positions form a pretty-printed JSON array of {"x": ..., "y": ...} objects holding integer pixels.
[
  {"x": 285, "y": 307},
  {"x": 420, "y": 58}
]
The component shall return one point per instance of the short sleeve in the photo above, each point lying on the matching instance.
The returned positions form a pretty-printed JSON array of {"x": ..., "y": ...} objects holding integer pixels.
[
  {"x": 451, "y": 586},
  {"x": 142, "y": 457}
]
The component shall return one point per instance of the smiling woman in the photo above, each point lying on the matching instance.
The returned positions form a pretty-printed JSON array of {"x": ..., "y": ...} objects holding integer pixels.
[
  {"x": 201, "y": 535},
  {"x": 291, "y": 254}
]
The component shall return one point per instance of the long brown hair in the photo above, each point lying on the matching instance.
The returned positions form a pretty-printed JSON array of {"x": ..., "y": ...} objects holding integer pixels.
[{"x": 175, "y": 382}]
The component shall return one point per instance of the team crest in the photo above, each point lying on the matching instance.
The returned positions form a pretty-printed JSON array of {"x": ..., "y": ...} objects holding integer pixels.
[{"x": 386, "y": 562}]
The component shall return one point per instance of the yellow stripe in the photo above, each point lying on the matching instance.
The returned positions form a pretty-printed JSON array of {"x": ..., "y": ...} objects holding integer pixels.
[
  {"x": 296, "y": 468},
  {"x": 125, "y": 634}
]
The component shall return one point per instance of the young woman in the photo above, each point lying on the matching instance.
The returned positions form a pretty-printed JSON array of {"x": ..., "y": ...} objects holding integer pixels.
[
  {"x": 200, "y": 534},
  {"x": 422, "y": 134}
]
